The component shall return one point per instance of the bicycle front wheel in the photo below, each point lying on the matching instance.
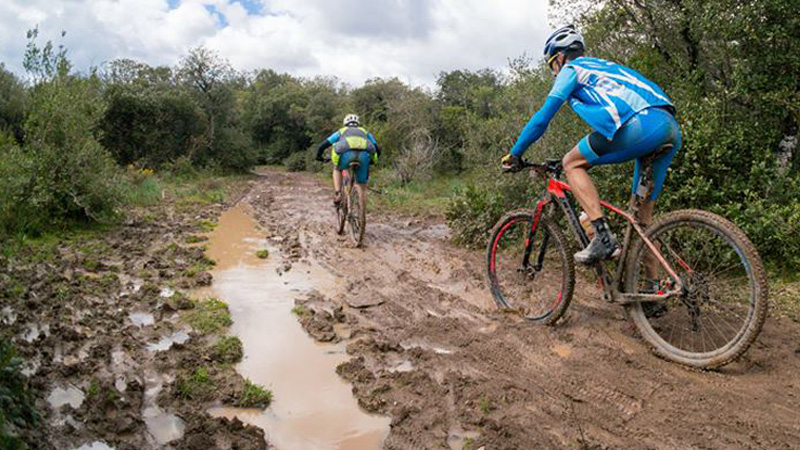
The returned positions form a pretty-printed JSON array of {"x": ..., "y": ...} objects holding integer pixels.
[
  {"x": 724, "y": 301},
  {"x": 530, "y": 272}
]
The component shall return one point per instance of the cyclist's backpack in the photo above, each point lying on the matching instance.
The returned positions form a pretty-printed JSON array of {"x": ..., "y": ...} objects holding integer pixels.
[{"x": 353, "y": 138}]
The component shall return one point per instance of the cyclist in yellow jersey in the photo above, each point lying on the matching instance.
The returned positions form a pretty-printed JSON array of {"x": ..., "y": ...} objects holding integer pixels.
[{"x": 350, "y": 143}]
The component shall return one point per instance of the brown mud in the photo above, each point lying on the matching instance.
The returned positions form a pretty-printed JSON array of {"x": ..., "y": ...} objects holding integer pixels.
[
  {"x": 105, "y": 327},
  {"x": 101, "y": 320},
  {"x": 430, "y": 350}
]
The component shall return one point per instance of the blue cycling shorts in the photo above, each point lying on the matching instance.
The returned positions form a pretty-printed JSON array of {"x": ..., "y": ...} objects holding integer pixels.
[
  {"x": 642, "y": 134},
  {"x": 363, "y": 158}
]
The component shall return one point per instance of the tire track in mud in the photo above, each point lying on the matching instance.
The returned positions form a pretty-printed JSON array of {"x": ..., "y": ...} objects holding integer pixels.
[{"x": 587, "y": 383}]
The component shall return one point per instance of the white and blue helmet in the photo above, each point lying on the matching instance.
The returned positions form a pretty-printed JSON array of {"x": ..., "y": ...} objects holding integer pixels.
[
  {"x": 351, "y": 120},
  {"x": 564, "y": 38}
]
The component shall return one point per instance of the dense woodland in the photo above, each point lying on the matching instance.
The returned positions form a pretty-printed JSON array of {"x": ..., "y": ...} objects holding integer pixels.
[{"x": 77, "y": 145}]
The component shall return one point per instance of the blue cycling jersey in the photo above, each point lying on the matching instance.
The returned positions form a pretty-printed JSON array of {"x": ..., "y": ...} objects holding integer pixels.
[
  {"x": 602, "y": 93},
  {"x": 334, "y": 138}
]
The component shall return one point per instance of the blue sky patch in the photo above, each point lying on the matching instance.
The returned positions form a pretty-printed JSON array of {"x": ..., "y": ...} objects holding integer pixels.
[
  {"x": 222, "y": 21},
  {"x": 252, "y": 6}
]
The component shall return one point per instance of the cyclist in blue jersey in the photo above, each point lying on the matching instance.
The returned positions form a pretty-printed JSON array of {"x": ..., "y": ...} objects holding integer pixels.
[
  {"x": 631, "y": 117},
  {"x": 350, "y": 143}
]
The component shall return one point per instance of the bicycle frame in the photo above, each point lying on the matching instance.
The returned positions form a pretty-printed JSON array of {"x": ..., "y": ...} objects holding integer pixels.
[{"x": 556, "y": 192}]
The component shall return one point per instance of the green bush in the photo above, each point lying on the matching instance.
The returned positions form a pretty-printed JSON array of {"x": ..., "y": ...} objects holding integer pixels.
[
  {"x": 296, "y": 162},
  {"x": 16, "y": 402},
  {"x": 474, "y": 210}
]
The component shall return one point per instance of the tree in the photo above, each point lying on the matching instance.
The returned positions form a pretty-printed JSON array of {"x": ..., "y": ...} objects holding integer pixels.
[
  {"x": 13, "y": 104},
  {"x": 211, "y": 80}
]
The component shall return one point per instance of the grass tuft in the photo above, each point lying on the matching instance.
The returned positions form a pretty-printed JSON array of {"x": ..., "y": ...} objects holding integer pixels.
[
  {"x": 209, "y": 316},
  {"x": 255, "y": 396},
  {"x": 228, "y": 349},
  {"x": 300, "y": 311},
  {"x": 197, "y": 385}
]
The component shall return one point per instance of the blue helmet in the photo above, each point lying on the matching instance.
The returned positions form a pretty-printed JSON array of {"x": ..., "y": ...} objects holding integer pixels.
[{"x": 562, "y": 39}]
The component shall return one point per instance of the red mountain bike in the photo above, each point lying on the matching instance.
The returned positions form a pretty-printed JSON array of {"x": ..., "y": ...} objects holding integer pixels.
[{"x": 692, "y": 282}]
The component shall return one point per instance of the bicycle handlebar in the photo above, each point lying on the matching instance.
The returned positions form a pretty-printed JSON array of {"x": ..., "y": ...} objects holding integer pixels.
[{"x": 549, "y": 166}]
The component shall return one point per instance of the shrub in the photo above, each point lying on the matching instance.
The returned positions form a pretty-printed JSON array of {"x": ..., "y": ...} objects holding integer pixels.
[
  {"x": 296, "y": 162},
  {"x": 474, "y": 209},
  {"x": 16, "y": 403}
]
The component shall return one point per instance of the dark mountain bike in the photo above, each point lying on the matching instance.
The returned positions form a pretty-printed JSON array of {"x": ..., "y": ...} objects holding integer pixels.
[
  {"x": 352, "y": 209},
  {"x": 692, "y": 282}
]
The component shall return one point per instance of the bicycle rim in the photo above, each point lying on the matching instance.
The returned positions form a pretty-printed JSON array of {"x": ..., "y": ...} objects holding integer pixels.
[
  {"x": 540, "y": 292},
  {"x": 724, "y": 303}
]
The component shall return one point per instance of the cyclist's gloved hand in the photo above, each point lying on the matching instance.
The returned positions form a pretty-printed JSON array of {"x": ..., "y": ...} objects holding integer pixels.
[
  {"x": 511, "y": 163},
  {"x": 320, "y": 158}
]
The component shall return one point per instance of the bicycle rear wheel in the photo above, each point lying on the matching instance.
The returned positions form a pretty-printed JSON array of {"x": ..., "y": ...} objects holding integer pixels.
[
  {"x": 540, "y": 285},
  {"x": 724, "y": 303},
  {"x": 357, "y": 215}
]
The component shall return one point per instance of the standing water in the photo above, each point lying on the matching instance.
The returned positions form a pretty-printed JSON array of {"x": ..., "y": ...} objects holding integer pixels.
[{"x": 312, "y": 408}]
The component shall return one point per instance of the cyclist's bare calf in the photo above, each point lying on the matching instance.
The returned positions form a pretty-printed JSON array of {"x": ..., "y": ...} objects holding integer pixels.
[
  {"x": 337, "y": 182},
  {"x": 576, "y": 168}
]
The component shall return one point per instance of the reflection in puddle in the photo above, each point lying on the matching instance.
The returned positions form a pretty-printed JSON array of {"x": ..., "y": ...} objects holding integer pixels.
[
  {"x": 8, "y": 316},
  {"x": 162, "y": 426},
  {"x": 98, "y": 445},
  {"x": 30, "y": 367},
  {"x": 34, "y": 331},
  {"x": 459, "y": 439},
  {"x": 71, "y": 396},
  {"x": 403, "y": 366},
  {"x": 313, "y": 407},
  {"x": 424, "y": 346},
  {"x": 142, "y": 319},
  {"x": 178, "y": 337}
]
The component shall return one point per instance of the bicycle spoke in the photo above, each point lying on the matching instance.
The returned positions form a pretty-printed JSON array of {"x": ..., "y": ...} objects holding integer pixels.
[
  {"x": 534, "y": 285},
  {"x": 716, "y": 304}
]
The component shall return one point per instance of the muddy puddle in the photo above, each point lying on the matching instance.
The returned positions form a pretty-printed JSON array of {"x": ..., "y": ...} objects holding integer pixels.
[{"x": 312, "y": 408}]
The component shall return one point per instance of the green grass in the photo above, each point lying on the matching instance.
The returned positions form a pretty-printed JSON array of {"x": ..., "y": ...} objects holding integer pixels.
[
  {"x": 785, "y": 298},
  {"x": 300, "y": 311},
  {"x": 199, "y": 266},
  {"x": 228, "y": 349},
  {"x": 206, "y": 226},
  {"x": 420, "y": 197},
  {"x": 262, "y": 254},
  {"x": 255, "y": 396},
  {"x": 208, "y": 316},
  {"x": 94, "y": 388},
  {"x": 484, "y": 404},
  {"x": 197, "y": 385},
  {"x": 144, "y": 192}
]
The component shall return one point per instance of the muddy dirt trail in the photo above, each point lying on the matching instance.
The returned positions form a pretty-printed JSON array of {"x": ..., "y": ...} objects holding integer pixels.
[{"x": 429, "y": 349}]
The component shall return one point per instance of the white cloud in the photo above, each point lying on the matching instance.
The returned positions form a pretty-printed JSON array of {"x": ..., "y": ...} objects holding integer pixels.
[{"x": 354, "y": 40}]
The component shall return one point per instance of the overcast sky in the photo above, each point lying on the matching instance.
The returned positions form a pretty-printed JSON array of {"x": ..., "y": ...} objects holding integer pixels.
[{"x": 352, "y": 39}]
